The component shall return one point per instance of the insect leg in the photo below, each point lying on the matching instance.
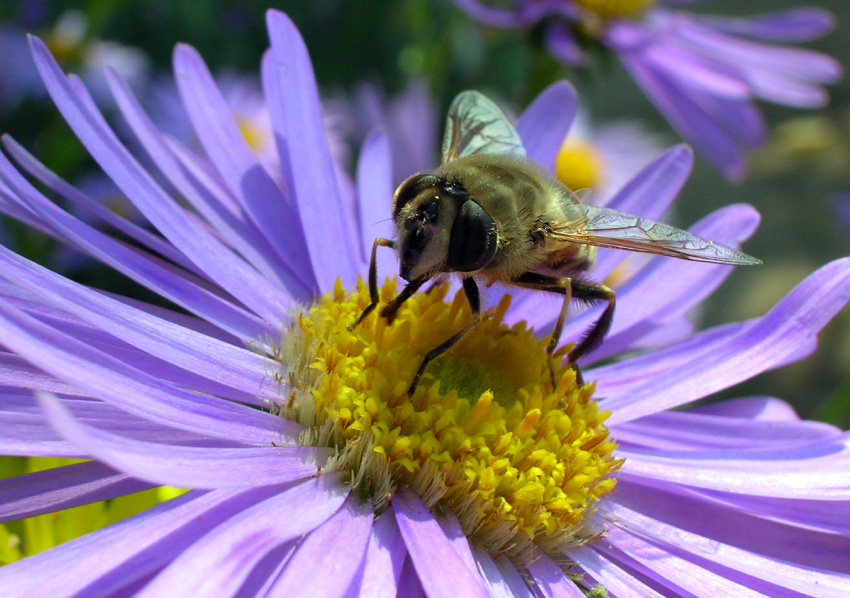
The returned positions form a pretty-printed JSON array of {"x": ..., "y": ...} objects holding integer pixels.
[
  {"x": 474, "y": 298},
  {"x": 552, "y": 284},
  {"x": 373, "y": 280},
  {"x": 592, "y": 292},
  {"x": 391, "y": 308}
]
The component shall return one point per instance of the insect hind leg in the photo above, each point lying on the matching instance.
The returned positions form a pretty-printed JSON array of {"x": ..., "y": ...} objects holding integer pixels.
[{"x": 592, "y": 293}]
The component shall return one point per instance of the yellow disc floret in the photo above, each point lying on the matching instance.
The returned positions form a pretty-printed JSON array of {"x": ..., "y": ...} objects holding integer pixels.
[
  {"x": 579, "y": 165},
  {"x": 484, "y": 435},
  {"x": 616, "y": 9}
]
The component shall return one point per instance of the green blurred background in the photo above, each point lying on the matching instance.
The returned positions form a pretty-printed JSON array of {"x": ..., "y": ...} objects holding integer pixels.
[{"x": 793, "y": 181}]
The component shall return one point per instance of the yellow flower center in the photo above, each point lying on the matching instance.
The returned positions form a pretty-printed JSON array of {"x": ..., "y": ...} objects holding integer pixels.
[
  {"x": 579, "y": 165},
  {"x": 485, "y": 434},
  {"x": 253, "y": 133},
  {"x": 616, "y": 9}
]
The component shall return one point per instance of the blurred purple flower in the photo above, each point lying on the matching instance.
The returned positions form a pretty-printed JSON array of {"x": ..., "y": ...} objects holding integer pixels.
[
  {"x": 409, "y": 120},
  {"x": 702, "y": 72},
  {"x": 69, "y": 40},
  {"x": 733, "y": 499}
]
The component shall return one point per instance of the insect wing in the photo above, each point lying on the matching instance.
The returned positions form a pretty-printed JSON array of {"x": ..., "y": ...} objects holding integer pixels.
[
  {"x": 604, "y": 227},
  {"x": 475, "y": 125}
]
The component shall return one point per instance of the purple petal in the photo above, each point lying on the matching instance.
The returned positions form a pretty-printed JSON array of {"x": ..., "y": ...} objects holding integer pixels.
[
  {"x": 675, "y": 574},
  {"x": 748, "y": 56},
  {"x": 752, "y": 408},
  {"x": 375, "y": 193},
  {"x": 116, "y": 556},
  {"x": 562, "y": 45},
  {"x": 763, "y": 472},
  {"x": 158, "y": 276},
  {"x": 679, "y": 430},
  {"x": 46, "y": 176},
  {"x": 696, "y": 72},
  {"x": 164, "y": 213},
  {"x": 25, "y": 432},
  {"x": 270, "y": 211},
  {"x": 544, "y": 124},
  {"x": 458, "y": 540},
  {"x": 16, "y": 372},
  {"x": 501, "y": 577},
  {"x": 205, "y": 190},
  {"x": 383, "y": 562},
  {"x": 791, "y": 25},
  {"x": 441, "y": 570},
  {"x": 107, "y": 378},
  {"x": 201, "y": 355},
  {"x": 220, "y": 561},
  {"x": 98, "y": 339},
  {"x": 492, "y": 16},
  {"x": 732, "y": 354},
  {"x": 651, "y": 191},
  {"x": 188, "y": 466},
  {"x": 339, "y": 544},
  {"x": 692, "y": 120},
  {"x": 617, "y": 580},
  {"x": 308, "y": 169},
  {"x": 788, "y": 556},
  {"x": 548, "y": 579},
  {"x": 62, "y": 488},
  {"x": 409, "y": 585}
]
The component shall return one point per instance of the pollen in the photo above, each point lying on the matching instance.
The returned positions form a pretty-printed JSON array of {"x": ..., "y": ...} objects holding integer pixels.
[
  {"x": 485, "y": 435},
  {"x": 616, "y": 9},
  {"x": 579, "y": 165}
]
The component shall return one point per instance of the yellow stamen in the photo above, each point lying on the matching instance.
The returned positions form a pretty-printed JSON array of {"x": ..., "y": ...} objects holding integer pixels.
[
  {"x": 484, "y": 435},
  {"x": 616, "y": 9},
  {"x": 579, "y": 165}
]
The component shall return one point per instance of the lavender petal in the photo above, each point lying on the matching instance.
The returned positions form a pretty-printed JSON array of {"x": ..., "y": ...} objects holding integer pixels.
[
  {"x": 549, "y": 580},
  {"x": 188, "y": 466},
  {"x": 375, "y": 192},
  {"x": 617, "y": 580},
  {"x": 440, "y": 569},
  {"x": 544, "y": 124},
  {"x": 793, "y": 558},
  {"x": 735, "y": 353},
  {"x": 218, "y": 261},
  {"x": 296, "y": 116},
  {"x": 63, "y": 488},
  {"x": 205, "y": 190},
  {"x": 220, "y": 561},
  {"x": 151, "y": 398},
  {"x": 105, "y": 561},
  {"x": 501, "y": 577},
  {"x": 383, "y": 561},
  {"x": 210, "y": 358},
  {"x": 340, "y": 544},
  {"x": 270, "y": 211}
]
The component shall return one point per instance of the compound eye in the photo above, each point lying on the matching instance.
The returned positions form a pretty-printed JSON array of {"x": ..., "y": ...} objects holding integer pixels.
[{"x": 473, "y": 240}]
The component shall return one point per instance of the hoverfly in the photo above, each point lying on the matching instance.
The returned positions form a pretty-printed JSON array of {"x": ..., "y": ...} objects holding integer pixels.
[{"x": 490, "y": 214}]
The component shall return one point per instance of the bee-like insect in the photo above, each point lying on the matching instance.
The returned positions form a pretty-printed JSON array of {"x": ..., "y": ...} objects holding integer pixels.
[{"x": 490, "y": 215}]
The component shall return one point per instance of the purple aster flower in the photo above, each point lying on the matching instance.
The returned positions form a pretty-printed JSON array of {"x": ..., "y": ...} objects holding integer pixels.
[
  {"x": 702, "y": 72},
  {"x": 312, "y": 472},
  {"x": 69, "y": 41},
  {"x": 409, "y": 119}
]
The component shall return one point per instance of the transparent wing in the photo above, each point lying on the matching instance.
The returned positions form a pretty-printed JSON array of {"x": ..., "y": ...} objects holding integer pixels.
[
  {"x": 475, "y": 125},
  {"x": 604, "y": 227}
]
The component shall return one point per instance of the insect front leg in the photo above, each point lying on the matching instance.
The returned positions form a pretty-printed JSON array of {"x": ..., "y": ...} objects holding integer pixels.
[
  {"x": 470, "y": 289},
  {"x": 373, "y": 280}
]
